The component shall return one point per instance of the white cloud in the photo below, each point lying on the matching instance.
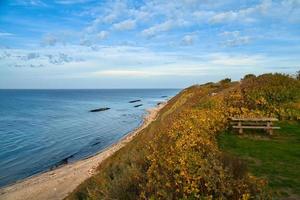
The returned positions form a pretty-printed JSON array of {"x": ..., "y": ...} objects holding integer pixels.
[
  {"x": 6, "y": 34},
  {"x": 50, "y": 40},
  {"x": 203, "y": 15},
  {"x": 127, "y": 73},
  {"x": 179, "y": 14},
  {"x": 86, "y": 42},
  {"x": 68, "y": 2},
  {"x": 32, "y": 55},
  {"x": 45, "y": 56},
  {"x": 105, "y": 14},
  {"x": 140, "y": 15},
  {"x": 234, "y": 38},
  {"x": 230, "y": 33},
  {"x": 158, "y": 71},
  {"x": 113, "y": 11},
  {"x": 222, "y": 59},
  {"x": 29, "y": 3},
  {"x": 249, "y": 14},
  {"x": 124, "y": 62},
  {"x": 242, "y": 40},
  {"x": 189, "y": 39},
  {"x": 109, "y": 18},
  {"x": 163, "y": 27},
  {"x": 125, "y": 25},
  {"x": 123, "y": 59},
  {"x": 103, "y": 35},
  {"x": 224, "y": 17}
]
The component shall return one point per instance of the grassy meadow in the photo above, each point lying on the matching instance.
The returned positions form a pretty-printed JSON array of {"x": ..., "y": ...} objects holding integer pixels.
[
  {"x": 274, "y": 158},
  {"x": 189, "y": 152}
]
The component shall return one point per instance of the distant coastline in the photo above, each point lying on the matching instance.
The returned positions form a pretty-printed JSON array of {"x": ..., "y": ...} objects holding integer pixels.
[{"x": 57, "y": 183}]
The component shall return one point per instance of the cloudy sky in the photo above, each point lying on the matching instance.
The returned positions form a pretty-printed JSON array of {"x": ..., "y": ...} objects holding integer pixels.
[{"x": 144, "y": 44}]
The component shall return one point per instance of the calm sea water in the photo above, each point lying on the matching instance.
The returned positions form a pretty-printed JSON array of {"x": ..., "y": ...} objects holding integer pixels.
[{"x": 41, "y": 129}]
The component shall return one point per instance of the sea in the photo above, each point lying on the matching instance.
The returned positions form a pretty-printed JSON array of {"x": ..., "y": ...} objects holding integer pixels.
[{"x": 44, "y": 129}]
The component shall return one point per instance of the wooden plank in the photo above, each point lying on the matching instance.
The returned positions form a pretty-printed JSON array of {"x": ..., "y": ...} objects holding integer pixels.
[
  {"x": 254, "y": 119},
  {"x": 256, "y": 127},
  {"x": 263, "y": 123}
]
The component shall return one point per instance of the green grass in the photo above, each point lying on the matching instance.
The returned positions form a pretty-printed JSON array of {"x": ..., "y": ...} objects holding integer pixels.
[{"x": 275, "y": 158}]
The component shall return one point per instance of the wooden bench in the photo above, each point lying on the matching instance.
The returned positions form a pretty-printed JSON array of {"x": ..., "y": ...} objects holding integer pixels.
[{"x": 254, "y": 123}]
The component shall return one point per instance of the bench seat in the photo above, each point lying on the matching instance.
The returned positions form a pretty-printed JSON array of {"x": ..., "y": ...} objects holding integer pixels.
[{"x": 257, "y": 127}]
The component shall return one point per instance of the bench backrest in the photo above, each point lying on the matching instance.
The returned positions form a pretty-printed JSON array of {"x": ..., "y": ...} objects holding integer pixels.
[{"x": 254, "y": 119}]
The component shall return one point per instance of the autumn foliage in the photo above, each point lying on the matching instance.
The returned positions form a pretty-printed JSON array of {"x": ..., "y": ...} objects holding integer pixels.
[{"x": 177, "y": 156}]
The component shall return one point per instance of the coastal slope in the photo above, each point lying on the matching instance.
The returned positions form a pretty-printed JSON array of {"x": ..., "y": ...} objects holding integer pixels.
[{"x": 178, "y": 155}]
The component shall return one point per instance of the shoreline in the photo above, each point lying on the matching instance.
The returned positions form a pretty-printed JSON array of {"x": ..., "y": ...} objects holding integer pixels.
[{"x": 59, "y": 182}]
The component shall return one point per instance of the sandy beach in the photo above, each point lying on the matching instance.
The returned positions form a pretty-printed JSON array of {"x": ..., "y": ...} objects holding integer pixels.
[{"x": 58, "y": 183}]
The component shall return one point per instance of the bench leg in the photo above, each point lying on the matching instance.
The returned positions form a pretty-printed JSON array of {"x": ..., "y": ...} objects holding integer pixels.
[
  {"x": 269, "y": 130},
  {"x": 240, "y": 129}
]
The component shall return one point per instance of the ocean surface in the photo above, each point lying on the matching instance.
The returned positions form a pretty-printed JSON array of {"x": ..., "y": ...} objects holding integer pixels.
[{"x": 42, "y": 129}]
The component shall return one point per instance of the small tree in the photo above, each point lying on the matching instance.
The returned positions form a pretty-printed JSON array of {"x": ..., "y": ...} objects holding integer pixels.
[
  {"x": 248, "y": 76},
  {"x": 226, "y": 80},
  {"x": 298, "y": 75}
]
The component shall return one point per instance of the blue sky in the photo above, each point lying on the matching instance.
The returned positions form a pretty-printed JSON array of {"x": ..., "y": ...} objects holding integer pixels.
[{"x": 144, "y": 44}]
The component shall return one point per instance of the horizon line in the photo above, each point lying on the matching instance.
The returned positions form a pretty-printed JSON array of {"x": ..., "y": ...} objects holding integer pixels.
[{"x": 86, "y": 88}]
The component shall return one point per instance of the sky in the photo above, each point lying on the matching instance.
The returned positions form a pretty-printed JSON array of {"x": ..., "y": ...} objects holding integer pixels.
[{"x": 144, "y": 44}]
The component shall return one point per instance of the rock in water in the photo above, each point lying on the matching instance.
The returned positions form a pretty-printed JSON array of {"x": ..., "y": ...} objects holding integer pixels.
[
  {"x": 63, "y": 161},
  {"x": 99, "y": 109},
  {"x": 138, "y": 105},
  {"x": 134, "y": 101}
]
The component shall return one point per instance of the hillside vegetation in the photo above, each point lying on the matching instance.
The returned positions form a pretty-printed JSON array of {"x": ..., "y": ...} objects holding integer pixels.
[{"x": 178, "y": 155}]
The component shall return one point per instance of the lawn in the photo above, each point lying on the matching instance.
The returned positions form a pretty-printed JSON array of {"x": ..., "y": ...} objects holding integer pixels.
[{"x": 275, "y": 158}]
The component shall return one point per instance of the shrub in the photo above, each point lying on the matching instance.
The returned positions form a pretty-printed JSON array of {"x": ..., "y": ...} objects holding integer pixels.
[
  {"x": 249, "y": 76},
  {"x": 226, "y": 80},
  {"x": 271, "y": 93}
]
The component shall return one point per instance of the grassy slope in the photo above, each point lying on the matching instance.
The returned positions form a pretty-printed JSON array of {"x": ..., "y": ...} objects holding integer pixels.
[
  {"x": 127, "y": 162},
  {"x": 276, "y": 158},
  {"x": 122, "y": 175}
]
